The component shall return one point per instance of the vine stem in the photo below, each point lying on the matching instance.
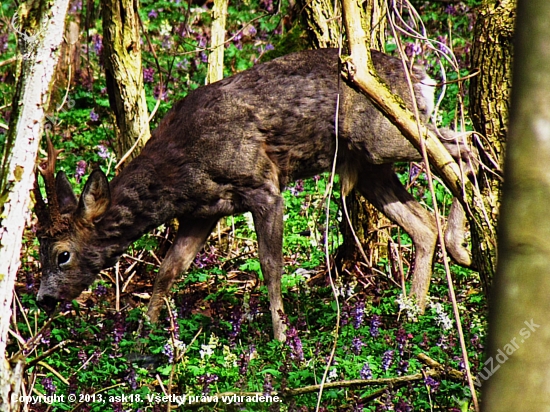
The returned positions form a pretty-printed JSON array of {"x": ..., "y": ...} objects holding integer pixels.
[{"x": 452, "y": 294}]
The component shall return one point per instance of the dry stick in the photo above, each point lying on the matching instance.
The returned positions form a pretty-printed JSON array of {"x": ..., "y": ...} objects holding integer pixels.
[
  {"x": 173, "y": 368},
  {"x": 440, "y": 235},
  {"x": 44, "y": 355},
  {"x": 436, "y": 370}
]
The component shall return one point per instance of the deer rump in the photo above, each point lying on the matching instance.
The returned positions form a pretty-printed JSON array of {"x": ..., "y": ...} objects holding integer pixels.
[{"x": 232, "y": 147}]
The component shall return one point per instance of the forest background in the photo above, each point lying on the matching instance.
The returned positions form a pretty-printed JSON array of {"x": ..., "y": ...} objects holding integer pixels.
[{"x": 216, "y": 337}]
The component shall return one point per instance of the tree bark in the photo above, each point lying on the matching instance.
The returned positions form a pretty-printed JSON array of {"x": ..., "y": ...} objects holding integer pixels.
[
  {"x": 124, "y": 74},
  {"x": 39, "y": 37},
  {"x": 519, "y": 331},
  {"x": 215, "y": 58},
  {"x": 489, "y": 106},
  {"x": 322, "y": 22},
  {"x": 323, "y": 26}
]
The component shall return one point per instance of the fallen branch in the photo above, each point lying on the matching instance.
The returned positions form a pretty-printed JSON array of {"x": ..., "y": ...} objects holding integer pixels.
[{"x": 435, "y": 369}]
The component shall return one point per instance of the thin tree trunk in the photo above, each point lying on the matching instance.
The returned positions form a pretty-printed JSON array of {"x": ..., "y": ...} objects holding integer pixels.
[
  {"x": 124, "y": 74},
  {"x": 215, "y": 73},
  {"x": 519, "y": 331},
  {"x": 215, "y": 58},
  {"x": 489, "y": 107},
  {"x": 39, "y": 37}
]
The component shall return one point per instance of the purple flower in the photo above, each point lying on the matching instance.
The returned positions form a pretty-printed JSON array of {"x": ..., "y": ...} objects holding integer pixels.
[
  {"x": 131, "y": 379},
  {"x": 152, "y": 14},
  {"x": 292, "y": 339},
  {"x": 158, "y": 94},
  {"x": 117, "y": 407},
  {"x": 432, "y": 384},
  {"x": 451, "y": 9},
  {"x": 387, "y": 360},
  {"x": 403, "y": 406},
  {"x": 267, "y": 5},
  {"x": 80, "y": 170},
  {"x": 442, "y": 44},
  {"x": 269, "y": 46},
  {"x": 3, "y": 42},
  {"x": 45, "y": 338},
  {"x": 167, "y": 42},
  {"x": 206, "y": 380},
  {"x": 149, "y": 75},
  {"x": 168, "y": 350},
  {"x": 82, "y": 355},
  {"x": 76, "y": 5},
  {"x": 94, "y": 117},
  {"x": 119, "y": 328},
  {"x": 298, "y": 187},
  {"x": 96, "y": 357},
  {"x": 48, "y": 385},
  {"x": 374, "y": 325},
  {"x": 268, "y": 384},
  {"x": 357, "y": 346},
  {"x": 359, "y": 314},
  {"x": 236, "y": 320},
  {"x": 103, "y": 152},
  {"x": 403, "y": 367},
  {"x": 365, "y": 373},
  {"x": 294, "y": 343},
  {"x": 97, "y": 42},
  {"x": 414, "y": 171},
  {"x": 100, "y": 290},
  {"x": 412, "y": 49},
  {"x": 244, "y": 359},
  {"x": 401, "y": 337}
]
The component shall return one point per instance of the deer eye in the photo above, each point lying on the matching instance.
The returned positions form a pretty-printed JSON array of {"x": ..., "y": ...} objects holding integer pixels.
[{"x": 63, "y": 258}]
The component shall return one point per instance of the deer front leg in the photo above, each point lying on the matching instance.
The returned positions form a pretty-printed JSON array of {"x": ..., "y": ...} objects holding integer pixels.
[
  {"x": 268, "y": 220},
  {"x": 382, "y": 188},
  {"x": 192, "y": 234}
]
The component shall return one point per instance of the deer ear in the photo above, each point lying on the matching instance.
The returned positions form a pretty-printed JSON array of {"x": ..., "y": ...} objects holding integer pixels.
[
  {"x": 95, "y": 198},
  {"x": 65, "y": 195}
]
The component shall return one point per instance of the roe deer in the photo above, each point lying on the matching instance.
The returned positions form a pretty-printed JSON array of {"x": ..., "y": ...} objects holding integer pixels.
[{"x": 232, "y": 147}]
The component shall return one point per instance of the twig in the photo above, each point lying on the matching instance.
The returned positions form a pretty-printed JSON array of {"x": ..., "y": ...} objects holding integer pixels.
[{"x": 44, "y": 355}]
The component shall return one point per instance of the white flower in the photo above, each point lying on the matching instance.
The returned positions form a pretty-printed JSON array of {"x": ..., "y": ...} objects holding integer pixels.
[
  {"x": 333, "y": 374},
  {"x": 409, "y": 306},
  {"x": 442, "y": 318}
]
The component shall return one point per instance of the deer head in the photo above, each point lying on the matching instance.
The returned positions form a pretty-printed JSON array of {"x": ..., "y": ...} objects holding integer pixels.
[{"x": 65, "y": 225}]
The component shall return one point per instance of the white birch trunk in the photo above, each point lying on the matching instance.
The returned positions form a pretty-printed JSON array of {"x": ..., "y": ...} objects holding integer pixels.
[{"x": 39, "y": 45}]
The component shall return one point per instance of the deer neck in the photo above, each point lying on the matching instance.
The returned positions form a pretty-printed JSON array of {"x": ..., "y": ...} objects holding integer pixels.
[{"x": 140, "y": 202}]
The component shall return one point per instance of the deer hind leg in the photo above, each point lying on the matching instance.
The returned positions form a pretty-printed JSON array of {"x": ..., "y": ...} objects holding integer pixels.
[
  {"x": 455, "y": 233},
  {"x": 268, "y": 221},
  {"x": 380, "y": 186},
  {"x": 191, "y": 236}
]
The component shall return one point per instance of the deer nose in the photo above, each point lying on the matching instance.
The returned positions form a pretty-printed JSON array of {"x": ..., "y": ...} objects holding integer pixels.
[{"x": 47, "y": 303}]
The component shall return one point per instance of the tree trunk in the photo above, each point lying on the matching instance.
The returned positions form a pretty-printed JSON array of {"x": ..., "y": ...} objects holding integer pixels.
[
  {"x": 215, "y": 58},
  {"x": 124, "y": 74},
  {"x": 519, "y": 331},
  {"x": 215, "y": 73},
  {"x": 39, "y": 37},
  {"x": 322, "y": 23},
  {"x": 489, "y": 107}
]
